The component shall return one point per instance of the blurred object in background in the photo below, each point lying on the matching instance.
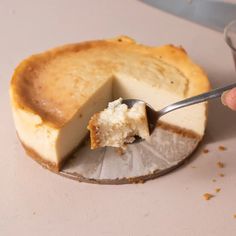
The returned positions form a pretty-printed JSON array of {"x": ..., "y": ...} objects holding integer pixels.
[
  {"x": 212, "y": 14},
  {"x": 230, "y": 37}
]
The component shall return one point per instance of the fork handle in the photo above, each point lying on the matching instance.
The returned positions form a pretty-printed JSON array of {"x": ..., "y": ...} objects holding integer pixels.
[{"x": 196, "y": 99}]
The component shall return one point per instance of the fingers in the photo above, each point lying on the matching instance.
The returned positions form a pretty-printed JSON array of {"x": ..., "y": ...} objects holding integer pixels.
[{"x": 229, "y": 99}]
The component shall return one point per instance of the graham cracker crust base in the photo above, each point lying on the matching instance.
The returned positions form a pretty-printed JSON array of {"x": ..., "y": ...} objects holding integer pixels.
[
  {"x": 181, "y": 131},
  {"x": 46, "y": 164},
  {"x": 94, "y": 131}
]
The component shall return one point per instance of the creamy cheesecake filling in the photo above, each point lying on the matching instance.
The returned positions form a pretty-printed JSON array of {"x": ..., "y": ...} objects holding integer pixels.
[
  {"x": 118, "y": 125},
  {"x": 190, "y": 118},
  {"x": 75, "y": 131}
]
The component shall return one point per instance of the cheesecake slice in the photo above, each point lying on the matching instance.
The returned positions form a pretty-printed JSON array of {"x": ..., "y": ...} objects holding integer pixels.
[
  {"x": 55, "y": 93},
  {"x": 118, "y": 125}
]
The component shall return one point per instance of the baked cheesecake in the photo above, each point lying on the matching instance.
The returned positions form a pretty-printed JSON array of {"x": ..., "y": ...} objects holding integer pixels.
[
  {"x": 118, "y": 125},
  {"x": 55, "y": 93}
]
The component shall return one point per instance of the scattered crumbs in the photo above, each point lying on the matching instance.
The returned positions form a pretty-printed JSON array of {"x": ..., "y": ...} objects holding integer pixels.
[
  {"x": 208, "y": 196},
  {"x": 146, "y": 214},
  {"x": 12, "y": 11},
  {"x": 218, "y": 190},
  {"x": 205, "y": 150},
  {"x": 235, "y": 216},
  {"x": 220, "y": 164},
  {"x": 140, "y": 181},
  {"x": 222, "y": 148},
  {"x": 214, "y": 180},
  {"x": 221, "y": 175},
  {"x": 120, "y": 151}
]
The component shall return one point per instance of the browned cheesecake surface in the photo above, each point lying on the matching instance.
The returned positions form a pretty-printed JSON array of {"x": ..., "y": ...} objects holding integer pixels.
[{"x": 54, "y": 84}]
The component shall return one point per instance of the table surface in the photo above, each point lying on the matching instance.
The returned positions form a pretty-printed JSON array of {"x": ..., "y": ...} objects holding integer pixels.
[{"x": 34, "y": 201}]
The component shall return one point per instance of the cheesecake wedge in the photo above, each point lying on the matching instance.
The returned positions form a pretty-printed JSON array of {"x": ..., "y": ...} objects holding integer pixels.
[{"x": 118, "y": 125}]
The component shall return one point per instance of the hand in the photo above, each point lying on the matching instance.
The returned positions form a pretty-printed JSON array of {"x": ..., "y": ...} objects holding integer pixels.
[{"x": 229, "y": 99}]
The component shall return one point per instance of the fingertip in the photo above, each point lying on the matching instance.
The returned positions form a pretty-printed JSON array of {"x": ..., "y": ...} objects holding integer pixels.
[
  {"x": 230, "y": 99},
  {"x": 223, "y": 98}
]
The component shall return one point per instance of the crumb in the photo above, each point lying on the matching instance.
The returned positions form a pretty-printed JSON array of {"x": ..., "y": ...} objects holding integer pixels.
[
  {"x": 120, "y": 151},
  {"x": 34, "y": 213},
  {"x": 208, "y": 196},
  {"x": 136, "y": 181},
  {"x": 220, "y": 164},
  {"x": 222, "y": 148},
  {"x": 218, "y": 190},
  {"x": 221, "y": 175},
  {"x": 141, "y": 181},
  {"x": 146, "y": 215},
  {"x": 235, "y": 216},
  {"x": 205, "y": 150},
  {"x": 193, "y": 167},
  {"x": 214, "y": 180},
  {"x": 12, "y": 11}
]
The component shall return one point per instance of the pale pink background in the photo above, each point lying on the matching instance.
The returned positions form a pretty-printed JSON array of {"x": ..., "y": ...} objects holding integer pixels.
[{"x": 34, "y": 201}]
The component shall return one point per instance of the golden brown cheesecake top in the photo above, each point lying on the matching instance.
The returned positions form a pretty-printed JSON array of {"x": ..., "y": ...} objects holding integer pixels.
[{"x": 56, "y": 83}]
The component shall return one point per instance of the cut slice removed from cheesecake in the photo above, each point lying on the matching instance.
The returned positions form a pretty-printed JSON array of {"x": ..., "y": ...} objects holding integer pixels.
[{"x": 118, "y": 125}]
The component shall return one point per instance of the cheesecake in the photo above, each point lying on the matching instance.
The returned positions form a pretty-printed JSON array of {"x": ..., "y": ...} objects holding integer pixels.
[
  {"x": 118, "y": 125},
  {"x": 55, "y": 93}
]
